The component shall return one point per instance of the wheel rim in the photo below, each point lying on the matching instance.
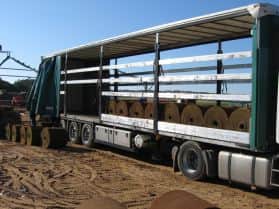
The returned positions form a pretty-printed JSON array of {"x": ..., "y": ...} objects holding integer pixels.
[
  {"x": 190, "y": 161},
  {"x": 86, "y": 134},
  {"x": 73, "y": 131}
]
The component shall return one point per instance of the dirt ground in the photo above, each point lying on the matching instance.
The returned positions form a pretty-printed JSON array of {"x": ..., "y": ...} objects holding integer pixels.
[{"x": 31, "y": 177}]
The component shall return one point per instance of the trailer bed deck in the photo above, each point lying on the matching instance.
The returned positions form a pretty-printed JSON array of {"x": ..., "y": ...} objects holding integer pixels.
[{"x": 221, "y": 137}]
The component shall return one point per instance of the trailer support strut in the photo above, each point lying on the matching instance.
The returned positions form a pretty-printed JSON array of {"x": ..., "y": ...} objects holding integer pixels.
[
  {"x": 65, "y": 84},
  {"x": 156, "y": 84},
  {"x": 100, "y": 82},
  {"x": 116, "y": 75},
  {"x": 220, "y": 70}
]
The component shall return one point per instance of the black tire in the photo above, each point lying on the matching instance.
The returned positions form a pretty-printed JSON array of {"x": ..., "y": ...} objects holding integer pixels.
[
  {"x": 87, "y": 135},
  {"x": 190, "y": 160},
  {"x": 74, "y": 133}
]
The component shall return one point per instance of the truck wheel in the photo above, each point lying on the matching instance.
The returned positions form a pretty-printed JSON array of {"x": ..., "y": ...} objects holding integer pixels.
[
  {"x": 87, "y": 135},
  {"x": 74, "y": 133},
  {"x": 190, "y": 161}
]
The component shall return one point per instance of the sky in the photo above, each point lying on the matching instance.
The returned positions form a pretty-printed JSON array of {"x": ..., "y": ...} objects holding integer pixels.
[{"x": 33, "y": 28}]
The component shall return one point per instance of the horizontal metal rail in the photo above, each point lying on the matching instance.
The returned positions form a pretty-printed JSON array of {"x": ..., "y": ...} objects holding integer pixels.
[
  {"x": 82, "y": 70},
  {"x": 192, "y": 69},
  {"x": 213, "y": 77},
  {"x": 203, "y": 58},
  {"x": 242, "y": 77},
  {"x": 179, "y": 95},
  {"x": 88, "y": 81},
  {"x": 206, "y": 58}
]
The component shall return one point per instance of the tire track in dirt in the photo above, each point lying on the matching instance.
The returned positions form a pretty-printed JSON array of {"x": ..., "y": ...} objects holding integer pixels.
[
  {"x": 31, "y": 177},
  {"x": 25, "y": 175}
]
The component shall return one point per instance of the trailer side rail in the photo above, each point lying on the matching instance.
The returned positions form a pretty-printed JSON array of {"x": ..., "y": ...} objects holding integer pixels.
[
  {"x": 243, "y": 77},
  {"x": 177, "y": 95},
  {"x": 180, "y": 60}
]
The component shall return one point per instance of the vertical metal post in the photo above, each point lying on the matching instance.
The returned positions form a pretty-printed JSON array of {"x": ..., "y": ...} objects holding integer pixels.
[
  {"x": 116, "y": 75},
  {"x": 156, "y": 68},
  {"x": 100, "y": 82},
  {"x": 145, "y": 87},
  {"x": 220, "y": 70},
  {"x": 65, "y": 84}
]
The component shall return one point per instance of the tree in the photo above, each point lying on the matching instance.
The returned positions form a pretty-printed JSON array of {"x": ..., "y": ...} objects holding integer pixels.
[
  {"x": 7, "y": 86},
  {"x": 23, "y": 85}
]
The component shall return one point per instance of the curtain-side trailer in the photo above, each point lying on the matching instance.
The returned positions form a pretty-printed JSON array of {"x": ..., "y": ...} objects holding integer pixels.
[{"x": 233, "y": 136}]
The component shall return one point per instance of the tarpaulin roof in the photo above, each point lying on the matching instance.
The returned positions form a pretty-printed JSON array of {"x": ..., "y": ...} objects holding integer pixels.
[{"x": 220, "y": 26}]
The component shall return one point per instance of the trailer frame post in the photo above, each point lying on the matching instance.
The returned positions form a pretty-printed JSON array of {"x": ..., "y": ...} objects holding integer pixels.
[
  {"x": 116, "y": 75},
  {"x": 220, "y": 70},
  {"x": 265, "y": 67},
  {"x": 156, "y": 67},
  {"x": 65, "y": 84},
  {"x": 100, "y": 81}
]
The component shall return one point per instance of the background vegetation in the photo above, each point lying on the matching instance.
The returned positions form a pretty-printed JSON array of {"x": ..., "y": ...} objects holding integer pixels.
[{"x": 18, "y": 86}]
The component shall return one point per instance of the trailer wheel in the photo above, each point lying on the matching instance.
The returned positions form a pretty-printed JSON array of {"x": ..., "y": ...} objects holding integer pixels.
[
  {"x": 190, "y": 161},
  {"x": 87, "y": 135},
  {"x": 74, "y": 133}
]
